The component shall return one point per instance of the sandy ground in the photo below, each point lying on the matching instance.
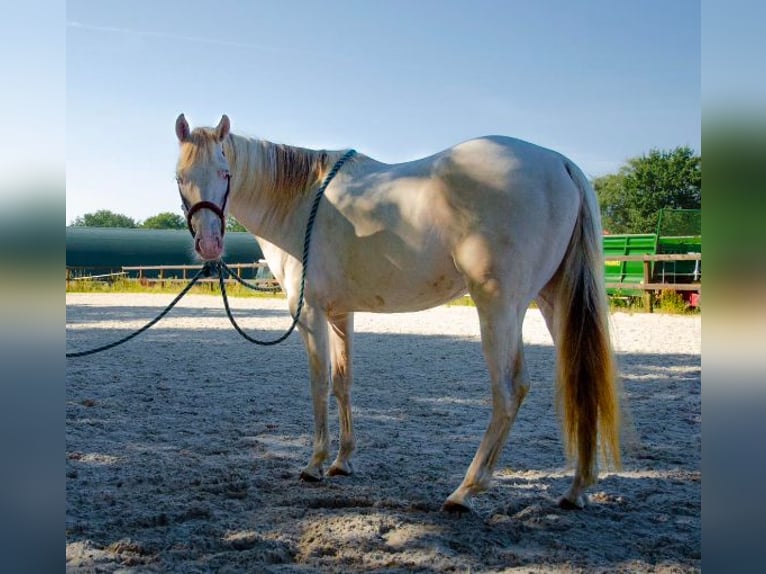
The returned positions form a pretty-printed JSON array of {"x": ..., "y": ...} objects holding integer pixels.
[{"x": 183, "y": 449}]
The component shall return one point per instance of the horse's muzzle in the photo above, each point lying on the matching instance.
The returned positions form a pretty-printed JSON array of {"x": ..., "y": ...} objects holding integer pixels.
[{"x": 209, "y": 248}]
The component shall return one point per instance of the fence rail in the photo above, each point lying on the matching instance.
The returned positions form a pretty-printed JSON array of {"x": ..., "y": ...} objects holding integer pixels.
[
  {"x": 184, "y": 269},
  {"x": 163, "y": 274},
  {"x": 656, "y": 257},
  {"x": 648, "y": 287},
  {"x": 163, "y": 271},
  {"x": 70, "y": 277}
]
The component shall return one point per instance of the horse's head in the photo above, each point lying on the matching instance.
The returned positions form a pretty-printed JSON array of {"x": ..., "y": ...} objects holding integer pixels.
[{"x": 203, "y": 181}]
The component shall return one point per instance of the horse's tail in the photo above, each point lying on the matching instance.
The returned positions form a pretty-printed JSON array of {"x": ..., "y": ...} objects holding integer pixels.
[{"x": 586, "y": 375}]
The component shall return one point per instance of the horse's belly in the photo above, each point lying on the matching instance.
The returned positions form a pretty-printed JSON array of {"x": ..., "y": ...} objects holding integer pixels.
[{"x": 390, "y": 287}]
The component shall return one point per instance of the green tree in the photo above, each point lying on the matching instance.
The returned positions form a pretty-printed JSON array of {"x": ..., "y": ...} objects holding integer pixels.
[
  {"x": 104, "y": 218},
  {"x": 165, "y": 220},
  {"x": 234, "y": 225},
  {"x": 631, "y": 199}
]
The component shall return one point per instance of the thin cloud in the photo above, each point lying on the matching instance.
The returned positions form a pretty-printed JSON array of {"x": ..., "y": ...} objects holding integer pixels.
[
  {"x": 281, "y": 49},
  {"x": 168, "y": 36}
]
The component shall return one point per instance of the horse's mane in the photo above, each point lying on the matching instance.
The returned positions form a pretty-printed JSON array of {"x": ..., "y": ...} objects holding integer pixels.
[{"x": 277, "y": 174}]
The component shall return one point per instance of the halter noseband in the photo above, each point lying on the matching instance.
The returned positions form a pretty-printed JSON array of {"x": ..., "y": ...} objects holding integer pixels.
[{"x": 219, "y": 211}]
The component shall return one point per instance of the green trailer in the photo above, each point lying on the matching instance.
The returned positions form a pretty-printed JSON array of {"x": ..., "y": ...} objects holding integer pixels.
[
  {"x": 678, "y": 232},
  {"x": 678, "y": 271},
  {"x": 629, "y": 272},
  {"x": 102, "y": 250}
]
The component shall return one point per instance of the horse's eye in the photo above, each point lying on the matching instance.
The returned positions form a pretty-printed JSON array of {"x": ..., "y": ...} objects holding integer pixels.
[
  {"x": 184, "y": 202},
  {"x": 179, "y": 180}
]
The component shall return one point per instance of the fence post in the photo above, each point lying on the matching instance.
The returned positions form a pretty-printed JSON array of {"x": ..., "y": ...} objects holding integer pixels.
[{"x": 648, "y": 293}]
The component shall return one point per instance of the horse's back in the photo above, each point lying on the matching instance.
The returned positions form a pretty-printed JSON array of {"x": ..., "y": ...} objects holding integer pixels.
[
  {"x": 411, "y": 234},
  {"x": 484, "y": 177},
  {"x": 513, "y": 191},
  {"x": 501, "y": 164}
]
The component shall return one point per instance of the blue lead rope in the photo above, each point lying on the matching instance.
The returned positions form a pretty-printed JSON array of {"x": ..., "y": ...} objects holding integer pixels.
[
  {"x": 305, "y": 260},
  {"x": 223, "y": 269},
  {"x": 204, "y": 272}
]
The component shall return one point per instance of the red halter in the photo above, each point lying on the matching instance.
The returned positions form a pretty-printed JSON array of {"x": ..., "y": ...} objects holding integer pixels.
[{"x": 219, "y": 211}]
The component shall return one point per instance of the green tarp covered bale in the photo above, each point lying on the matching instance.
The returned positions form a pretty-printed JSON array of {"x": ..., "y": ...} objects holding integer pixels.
[{"x": 94, "y": 250}]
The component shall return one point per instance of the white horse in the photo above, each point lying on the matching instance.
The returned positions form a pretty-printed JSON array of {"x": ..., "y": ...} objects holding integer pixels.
[{"x": 504, "y": 220}]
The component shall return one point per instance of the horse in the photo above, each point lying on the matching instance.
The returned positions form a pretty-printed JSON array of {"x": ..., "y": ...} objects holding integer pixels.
[{"x": 503, "y": 220}]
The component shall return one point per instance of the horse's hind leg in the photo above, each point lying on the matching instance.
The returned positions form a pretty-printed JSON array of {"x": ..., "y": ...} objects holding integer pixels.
[
  {"x": 575, "y": 496},
  {"x": 544, "y": 302},
  {"x": 341, "y": 332},
  {"x": 501, "y": 340}
]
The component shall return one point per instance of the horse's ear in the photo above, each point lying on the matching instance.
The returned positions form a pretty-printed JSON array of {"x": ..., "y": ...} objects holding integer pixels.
[
  {"x": 182, "y": 128},
  {"x": 222, "y": 130}
]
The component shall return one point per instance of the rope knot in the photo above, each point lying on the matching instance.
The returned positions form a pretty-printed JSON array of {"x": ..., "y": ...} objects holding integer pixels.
[{"x": 209, "y": 267}]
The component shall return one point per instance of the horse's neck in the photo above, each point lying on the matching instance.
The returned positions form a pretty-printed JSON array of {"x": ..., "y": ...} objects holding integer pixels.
[{"x": 270, "y": 187}]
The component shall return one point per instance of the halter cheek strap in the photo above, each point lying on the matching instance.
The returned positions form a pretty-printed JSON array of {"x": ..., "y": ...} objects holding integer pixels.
[{"x": 219, "y": 211}]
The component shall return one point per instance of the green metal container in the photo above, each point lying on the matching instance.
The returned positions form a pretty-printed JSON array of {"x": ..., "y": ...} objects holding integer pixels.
[
  {"x": 97, "y": 250},
  {"x": 631, "y": 272},
  {"x": 679, "y": 231},
  {"x": 678, "y": 271}
]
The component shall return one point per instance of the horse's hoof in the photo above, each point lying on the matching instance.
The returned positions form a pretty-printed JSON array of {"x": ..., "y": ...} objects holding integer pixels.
[
  {"x": 308, "y": 477},
  {"x": 456, "y": 508},
  {"x": 577, "y": 504},
  {"x": 339, "y": 471}
]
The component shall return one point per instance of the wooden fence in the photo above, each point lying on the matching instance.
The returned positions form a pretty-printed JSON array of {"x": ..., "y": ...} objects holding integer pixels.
[
  {"x": 168, "y": 273},
  {"x": 647, "y": 286}
]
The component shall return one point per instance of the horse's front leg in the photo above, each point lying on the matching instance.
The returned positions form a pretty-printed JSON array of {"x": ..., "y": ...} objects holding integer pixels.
[
  {"x": 341, "y": 332},
  {"x": 313, "y": 327}
]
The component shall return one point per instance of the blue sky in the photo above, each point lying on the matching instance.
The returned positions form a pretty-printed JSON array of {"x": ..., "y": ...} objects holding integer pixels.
[{"x": 600, "y": 81}]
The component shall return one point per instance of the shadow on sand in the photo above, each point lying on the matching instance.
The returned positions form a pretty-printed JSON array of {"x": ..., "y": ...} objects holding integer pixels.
[{"x": 184, "y": 447}]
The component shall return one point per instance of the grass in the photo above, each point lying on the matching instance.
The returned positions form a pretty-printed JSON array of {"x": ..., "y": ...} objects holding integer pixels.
[
  {"x": 173, "y": 288},
  {"x": 462, "y": 301},
  {"x": 669, "y": 302},
  {"x": 672, "y": 302}
]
